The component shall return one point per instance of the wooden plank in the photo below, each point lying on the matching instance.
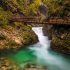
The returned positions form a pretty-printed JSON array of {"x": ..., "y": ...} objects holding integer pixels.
[{"x": 36, "y": 19}]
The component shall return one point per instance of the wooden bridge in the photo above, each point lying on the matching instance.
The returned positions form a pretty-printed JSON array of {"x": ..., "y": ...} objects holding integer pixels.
[{"x": 37, "y": 20}]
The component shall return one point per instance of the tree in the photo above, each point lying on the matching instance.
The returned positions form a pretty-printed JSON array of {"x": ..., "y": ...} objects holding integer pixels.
[
  {"x": 58, "y": 7},
  {"x": 4, "y": 17}
]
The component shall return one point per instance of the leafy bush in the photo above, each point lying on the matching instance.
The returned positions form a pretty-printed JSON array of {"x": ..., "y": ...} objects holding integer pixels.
[
  {"x": 22, "y": 26},
  {"x": 4, "y": 16},
  {"x": 57, "y": 7}
]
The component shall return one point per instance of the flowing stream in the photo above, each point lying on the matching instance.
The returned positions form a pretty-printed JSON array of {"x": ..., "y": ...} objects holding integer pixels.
[{"x": 40, "y": 53}]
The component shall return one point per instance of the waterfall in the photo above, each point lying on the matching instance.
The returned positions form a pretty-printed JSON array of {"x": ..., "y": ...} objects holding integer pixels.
[
  {"x": 41, "y": 48},
  {"x": 54, "y": 60},
  {"x": 43, "y": 40}
]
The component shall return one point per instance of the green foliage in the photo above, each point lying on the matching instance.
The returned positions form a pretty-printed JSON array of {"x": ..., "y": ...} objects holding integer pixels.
[
  {"x": 21, "y": 6},
  {"x": 55, "y": 7},
  {"x": 58, "y": 7},
  {"x": 34, "y": 6},
  {"x": 9, "y": 5},
  {"x": 20, "y": 25},
  {"x": 4, "y": 16},
  {"x": 24, "y": 6}
]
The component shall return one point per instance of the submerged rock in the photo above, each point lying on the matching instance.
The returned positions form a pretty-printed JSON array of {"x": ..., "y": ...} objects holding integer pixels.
[
  {"x": 31, "y": 66},
  {"x": 7, "y": 64}
]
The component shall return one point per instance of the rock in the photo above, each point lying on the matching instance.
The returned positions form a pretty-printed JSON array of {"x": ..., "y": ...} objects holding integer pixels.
[
  {"x": 61, "y": 40},
  {"x": 31, "y": 66},
  {"x": 60, "y": 45},
  {"x": 15, "y": 36},
  {"x": 47, "y": 30},
  {"x": 59, "y": 36},
  {"x": 7, "y": 64}
]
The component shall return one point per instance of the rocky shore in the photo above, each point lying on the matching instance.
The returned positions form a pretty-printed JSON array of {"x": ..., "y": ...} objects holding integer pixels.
[{"x": 60, "y": 38}]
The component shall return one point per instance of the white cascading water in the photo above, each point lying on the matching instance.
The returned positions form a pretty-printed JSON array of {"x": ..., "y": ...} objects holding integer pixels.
[
  {"x": 43, "y": 40},
  {"x": 53, "y": 60}
]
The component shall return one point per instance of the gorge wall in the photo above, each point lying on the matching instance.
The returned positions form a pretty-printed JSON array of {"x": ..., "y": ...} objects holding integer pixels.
[{"x": 59, "y": 36}]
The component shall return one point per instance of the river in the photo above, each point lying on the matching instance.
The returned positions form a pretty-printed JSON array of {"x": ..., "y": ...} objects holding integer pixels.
[{"x": 40, "y": 53}]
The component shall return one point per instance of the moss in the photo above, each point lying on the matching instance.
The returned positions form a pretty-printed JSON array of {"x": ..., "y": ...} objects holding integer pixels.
[
  {"x": 13, "y": 38},
  {"x": 22, "y": 26},
  {"x": 29, "y": 37},
  {"x": 61, "y": 38},
  {"x": 61, "y": 45},
  {"x": 21, "y": 6}
]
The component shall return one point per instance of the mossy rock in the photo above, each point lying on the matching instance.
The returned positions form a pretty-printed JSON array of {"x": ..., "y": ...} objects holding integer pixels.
[
  {"x": 22, "y": 26},
  {"x": 12, "y": 38},
  {"x": 61, "y": 45},
  {"x": 30, "y": 37}
]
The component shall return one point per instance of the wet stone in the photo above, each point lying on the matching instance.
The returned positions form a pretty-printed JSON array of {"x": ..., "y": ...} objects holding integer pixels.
[
  {"x": 31, "y": 66},
  {"x": 7, "y": 64}
]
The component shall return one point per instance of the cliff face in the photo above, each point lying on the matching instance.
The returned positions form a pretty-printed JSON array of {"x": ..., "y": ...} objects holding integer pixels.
[
  {"x": 16, "y": 36},
  {"x": 60, "y": 37}
]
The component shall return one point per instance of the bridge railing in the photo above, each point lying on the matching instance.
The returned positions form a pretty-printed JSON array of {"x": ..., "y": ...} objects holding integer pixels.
[{"x": 36, "y": 19}]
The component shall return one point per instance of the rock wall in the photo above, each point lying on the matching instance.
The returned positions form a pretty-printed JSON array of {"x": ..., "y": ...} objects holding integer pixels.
[
  {"x": 15, "y": 36},
  {"x": 60, "y": 37},
  {"x": 47, "y": 30}
]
